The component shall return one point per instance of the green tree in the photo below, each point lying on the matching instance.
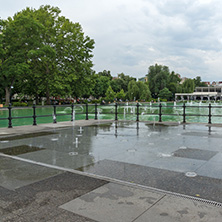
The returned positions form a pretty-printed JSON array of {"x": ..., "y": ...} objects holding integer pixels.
[
  {"x": 174, "y": 78},
  {"x": 117, "y": 84},
  {"x": 125, "y": 81},
  {"x": 198, "y": 82},
  {"x": 110, "y": 95},
  {"x": 158, "y": 76},
  {"x": 106, "y": 73},
  {"x": 144, "y": 92},
  {"x": 121, "y": 95},
  {"x": 101, "y": 85},
  {"x": 188, "y": 86},
  {"x": 133, "y": 90},
  {"x": 19, "y": 35},
  {"x": 165, "y": 94},
  {"x": 53, "y": 56}
]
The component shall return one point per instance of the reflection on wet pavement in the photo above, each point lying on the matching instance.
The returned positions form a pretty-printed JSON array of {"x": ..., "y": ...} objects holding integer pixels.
[{"x": 152, "y": 155}]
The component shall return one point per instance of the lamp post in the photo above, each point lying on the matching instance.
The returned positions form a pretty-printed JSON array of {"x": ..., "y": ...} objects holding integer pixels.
[{"x": 10, "y": 98}]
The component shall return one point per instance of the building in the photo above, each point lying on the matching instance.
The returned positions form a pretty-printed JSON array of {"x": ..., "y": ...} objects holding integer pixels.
[
  {"x": 143, "y": 79},
  {"x": 201, "y": 93}
]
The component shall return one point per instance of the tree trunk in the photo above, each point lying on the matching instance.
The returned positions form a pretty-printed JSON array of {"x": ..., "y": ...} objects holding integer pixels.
[{"x": 7, "y": 95}]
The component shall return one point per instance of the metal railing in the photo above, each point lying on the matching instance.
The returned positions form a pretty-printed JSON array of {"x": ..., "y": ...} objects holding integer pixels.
[{"x": 115, "y": 107}]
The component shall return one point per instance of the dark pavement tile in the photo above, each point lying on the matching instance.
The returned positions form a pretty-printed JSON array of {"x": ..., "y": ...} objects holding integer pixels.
[{"x": 204, "y": 187}]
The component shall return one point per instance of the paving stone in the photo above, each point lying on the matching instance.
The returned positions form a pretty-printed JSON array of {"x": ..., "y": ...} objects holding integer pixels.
[
  {"x": 113, "y": 202},
  {"x": 173, "y": 209}
]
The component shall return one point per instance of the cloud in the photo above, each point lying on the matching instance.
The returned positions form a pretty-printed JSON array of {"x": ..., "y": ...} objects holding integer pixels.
[{"x": 131, "y": 35}]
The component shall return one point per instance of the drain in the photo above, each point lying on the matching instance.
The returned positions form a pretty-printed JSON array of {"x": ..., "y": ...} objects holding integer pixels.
[
  {"x": 164, "y": 155},
  {"x": 73, "y": 153},
  {"x": 191, "y": 174},
  {"x": 131, "y": 150}
]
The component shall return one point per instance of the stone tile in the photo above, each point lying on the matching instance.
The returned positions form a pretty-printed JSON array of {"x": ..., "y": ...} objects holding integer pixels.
[
  {"x": 217, "y": 158},
  {"x": 66, "y": 216},
  {"x": 15, "y": 174},
  {"x": 206, "y": 187},
  {"x": 113, "y": 202},
  {"x": 197, "y": 154},
  {"x": 133, "y": 156},
  {"x": 177, "y": 164},
  {"x": 211, "y": 169},
  {"x": 173, "y": 209}
]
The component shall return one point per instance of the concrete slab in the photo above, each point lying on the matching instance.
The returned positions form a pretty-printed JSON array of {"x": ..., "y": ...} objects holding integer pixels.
[
  {"x": 211, "y": 169},
  {"x": 113, "y": 202},
  {"x": 173, "y": 209},
  {"x": 177, "y": 164},
  {"x": 15, "y": 174}
]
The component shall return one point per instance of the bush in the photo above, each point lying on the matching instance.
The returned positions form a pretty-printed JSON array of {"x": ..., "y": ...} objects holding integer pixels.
[
  {"x": 96, "y": 101},
  {"x": 20, "y": 104}
]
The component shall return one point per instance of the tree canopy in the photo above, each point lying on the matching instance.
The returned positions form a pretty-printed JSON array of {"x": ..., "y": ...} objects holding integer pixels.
[{"x": 45, "y": 53}]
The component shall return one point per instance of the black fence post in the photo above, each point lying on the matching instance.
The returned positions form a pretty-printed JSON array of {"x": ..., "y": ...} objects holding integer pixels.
[
  {"x": 160, "y": 112},
  {"x": 96, "y": 111},
  {"x": 72, "y": 107},
  {"x": 54, "y": 114},
  {"x": 116, "y": 112},
  {"x": 137, "y": 112},
  {"x": 184, "y": 113},
  {"x": 9, "y": 116},
  {"x": 209, "y": 121},
  {"x": 87, "y": 112},
  {"x": 34, "y": 115}
]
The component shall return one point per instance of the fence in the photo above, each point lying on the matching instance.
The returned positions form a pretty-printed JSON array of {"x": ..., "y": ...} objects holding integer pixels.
[{"x": 115, "y": 110}]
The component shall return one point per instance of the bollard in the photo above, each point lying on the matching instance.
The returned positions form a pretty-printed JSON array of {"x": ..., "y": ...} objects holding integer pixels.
[
  {"x": 160, "y": 112},
  {"x": 54, "y": 114},
  {"x": 87, "y": 112},
  {"x": 137, "y": 112},
  {"x": 209, "y": 121},
  {"x": 184, "y": 113},
  {"x": 9, "y": 116},
  {"x": 72, "y": 107},
  {"x": 34, "y": 115},
  {"x": 116, "y": 112},
  {"x": 96, "y": 111}
]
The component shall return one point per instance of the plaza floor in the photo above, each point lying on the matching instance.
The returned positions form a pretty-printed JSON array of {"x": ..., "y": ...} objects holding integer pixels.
[{"x": 124, "y": 171}]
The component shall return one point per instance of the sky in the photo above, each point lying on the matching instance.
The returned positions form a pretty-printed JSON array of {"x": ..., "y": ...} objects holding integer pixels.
[{"x": 132, "y": 35}]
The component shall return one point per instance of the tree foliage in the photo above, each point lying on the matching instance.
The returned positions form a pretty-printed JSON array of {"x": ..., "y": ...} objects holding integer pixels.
[
  {"x": 198, "y": 82},
  {"x": 188, "y": 86},
  {"x": 165, "y": 94},
  {"x": 121, "y": 95},
  {"x": 110, "y": 95},
  {"x": 158, "y": 77},
  {"x": 46, "y": 53}
]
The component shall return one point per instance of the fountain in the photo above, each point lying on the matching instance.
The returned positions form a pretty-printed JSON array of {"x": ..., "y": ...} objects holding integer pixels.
[{"x": 80, "y": 129}]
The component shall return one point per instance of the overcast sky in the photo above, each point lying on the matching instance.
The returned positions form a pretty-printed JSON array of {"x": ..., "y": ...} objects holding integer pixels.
[{"x": 131, "y": 35}]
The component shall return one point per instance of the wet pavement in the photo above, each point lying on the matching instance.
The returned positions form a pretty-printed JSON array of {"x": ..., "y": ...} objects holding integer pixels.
[{"x": 139, "y": 171}]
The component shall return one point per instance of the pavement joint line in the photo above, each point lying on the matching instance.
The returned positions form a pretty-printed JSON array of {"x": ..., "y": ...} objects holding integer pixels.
[
  {"x": 150, "y": 207},
  {"x": 117, "y": 181}
]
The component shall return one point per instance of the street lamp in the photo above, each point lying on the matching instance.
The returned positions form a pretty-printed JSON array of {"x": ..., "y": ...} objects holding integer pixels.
[{"x": 10, "y": 99}]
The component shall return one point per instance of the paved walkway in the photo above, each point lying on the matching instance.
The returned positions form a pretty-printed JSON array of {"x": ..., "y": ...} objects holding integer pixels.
[{"x": 39, "y": 192}]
